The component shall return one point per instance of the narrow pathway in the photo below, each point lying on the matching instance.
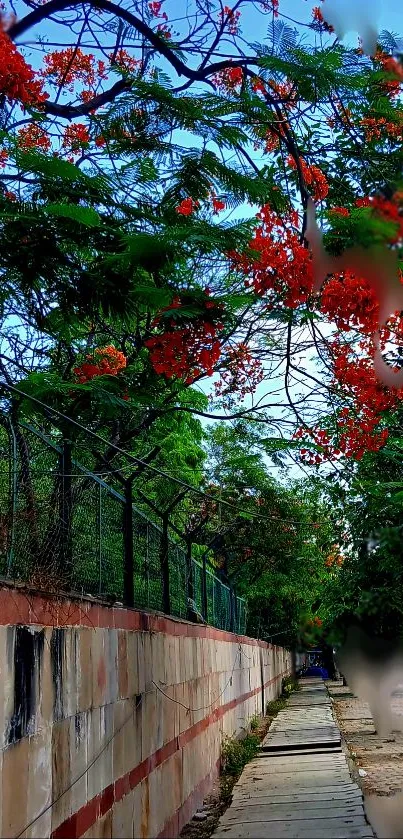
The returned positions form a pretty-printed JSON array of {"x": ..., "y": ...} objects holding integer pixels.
[{"x": 299, "y": 785}]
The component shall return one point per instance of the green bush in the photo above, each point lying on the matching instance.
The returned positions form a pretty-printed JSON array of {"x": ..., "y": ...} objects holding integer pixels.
[
  {"x": 289, "y": 685},
  {"x": 273, "y": 707},
  {"x": 236, "y": 754},
  {"x": 254, "y": 723}
]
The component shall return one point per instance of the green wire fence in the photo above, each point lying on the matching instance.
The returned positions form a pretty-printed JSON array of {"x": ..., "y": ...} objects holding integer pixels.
[{"x": 65, "y": 528}]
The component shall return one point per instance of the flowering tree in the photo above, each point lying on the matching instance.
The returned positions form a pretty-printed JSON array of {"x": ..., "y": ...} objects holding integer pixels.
[{"x": 130, "y": 134}]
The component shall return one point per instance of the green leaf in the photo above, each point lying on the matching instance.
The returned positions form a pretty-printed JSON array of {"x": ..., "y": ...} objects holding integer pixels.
[
  {"x": 82, "y": 215},
  {"x": 51, "y": 167},
  {"x": 397, "y": 498}
]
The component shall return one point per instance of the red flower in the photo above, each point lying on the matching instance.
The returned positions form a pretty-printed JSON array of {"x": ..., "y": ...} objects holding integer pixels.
[
  {"x": 392, "y": 67},
  {"x": 64, "y": 67},
  {"x": 33, "y": 137},
  {"x": 163, "y": 31},
  {"x": 111, "y": 362},
  {"x": 278, "y": 265},
  {"x": 18, "y": 82},
  {"x": 124, "y": 61},
  {"x": 229, "y": 79},
  {"x": 340, "y": 211},
  {"x": 187, "y": 207},
  {"x": 218, "y": 205},
  {"x": 258, "y": 85},
  {"x": 155, "y": 10},
  {"x": 314, "y": 178},
  {"x": 76, "y": 137},
  {"x": 318, "y": 18},
  {"x": 231, "y": 19},
  {"x": 188, "y": 349}
]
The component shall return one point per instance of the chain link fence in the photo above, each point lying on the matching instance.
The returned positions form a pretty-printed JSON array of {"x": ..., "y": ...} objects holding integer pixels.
[{"x": 64, "y": 528}]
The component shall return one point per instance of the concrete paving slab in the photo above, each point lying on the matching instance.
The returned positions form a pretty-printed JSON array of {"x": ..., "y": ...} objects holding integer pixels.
[
  {"x": 317, "y": 800},
  {"x": 300, "y": 784},
  {"x": 282, "y": 812},
  {"x": 260, "y": 832}
]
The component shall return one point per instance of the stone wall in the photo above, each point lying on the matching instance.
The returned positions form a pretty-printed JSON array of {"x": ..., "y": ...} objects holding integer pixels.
[{"x": 111, "y": 720}]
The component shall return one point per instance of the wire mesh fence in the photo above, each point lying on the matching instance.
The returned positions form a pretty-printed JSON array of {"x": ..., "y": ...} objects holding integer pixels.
[{"x": 65, "y": 528}]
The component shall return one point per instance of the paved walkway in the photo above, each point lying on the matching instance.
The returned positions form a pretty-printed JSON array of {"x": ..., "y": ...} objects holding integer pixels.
[{"x": 299, "y": 785}]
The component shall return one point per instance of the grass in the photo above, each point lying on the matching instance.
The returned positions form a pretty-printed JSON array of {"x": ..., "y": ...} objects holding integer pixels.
[{"x": 276, "y": 705}]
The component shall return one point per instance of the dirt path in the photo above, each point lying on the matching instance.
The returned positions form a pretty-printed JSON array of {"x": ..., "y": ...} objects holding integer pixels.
[{"x": 376, "y": 762}]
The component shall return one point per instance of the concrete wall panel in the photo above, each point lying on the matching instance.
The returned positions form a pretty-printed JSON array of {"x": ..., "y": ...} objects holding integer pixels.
[{"x": 115, "y": 718}]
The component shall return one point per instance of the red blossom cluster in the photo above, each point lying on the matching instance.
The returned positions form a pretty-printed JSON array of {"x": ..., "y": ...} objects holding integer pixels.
[
  {"x": 272, "y": 142},
  {"x": 389, "y": 210},
  {"x": 278, "y": 262},
  {"x": 314, "y": 622},
  {"x": 3, "y": 158},
  {"x": 230, "y": 19},
  {"x": 228, "y": 80},
  {"x": 124, "y": 61},
  {"x": 65, "y": 67},
  {"x": 358, "y": 428},
  {"x": 313, "y": 177},
  {"x": 33, "y": 136},
  {"x": 187, "y": 207},
  {"x": 350, "y": 302},
  {"x": 270, "y": 6},
  {"x": 75, "y": 137},
  {"x": 377, "y": 128},
  {"x": 189, "y": 348},
  {"x": 392, "y": 87},
  {"x": 318, "y": 18},
  {"x": 155, "y": 9},
  {"x": 286, "y": 92},
  {"x": 357, "y": 375},
  {"x": 218, "y": 204},
  {"x": 242, "y": 375},
  {"x": 111, "y": 362},
  {"x": 340, "y": 211},
  {"x": 258, "y": 85},
  {"x": 163, "y": 31},
  {"x": 334, "y": 558},
  {"x": 18, "y": 81}
]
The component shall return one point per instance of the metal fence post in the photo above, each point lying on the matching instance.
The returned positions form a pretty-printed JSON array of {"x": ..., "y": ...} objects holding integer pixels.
[
  {"x": 100, "y": 539},
  {"x": 233, "y": 611},
  {"x": 66, "y": 509},
  {"x": 128, "y": 568},
  {"x": 204, "y": 589},
  {"x": 164, "y": 558},
  {"x": 147, "y": 567},
  {"x": 189, "y": 575}
]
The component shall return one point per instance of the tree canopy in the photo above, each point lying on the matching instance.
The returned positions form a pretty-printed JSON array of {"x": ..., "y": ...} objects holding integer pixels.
[{"x": 162, "y": 175}]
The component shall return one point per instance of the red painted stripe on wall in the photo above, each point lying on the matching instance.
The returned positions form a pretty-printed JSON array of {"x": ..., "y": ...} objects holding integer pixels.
[
  {"x": 77, "y": 824},
  {"x": 174, "y": 825},
  {"x": 20, "y": 606}
]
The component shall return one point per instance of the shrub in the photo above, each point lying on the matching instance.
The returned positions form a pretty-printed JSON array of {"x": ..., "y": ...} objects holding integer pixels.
[
  {"x": 289, "y": 685},
  {"x": 236, "y": 754},
  {"x": 276, "y": 705}
]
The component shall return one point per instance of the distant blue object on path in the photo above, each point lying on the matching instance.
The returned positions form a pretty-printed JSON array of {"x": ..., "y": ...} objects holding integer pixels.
[{"x": 317, "y": 671}]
